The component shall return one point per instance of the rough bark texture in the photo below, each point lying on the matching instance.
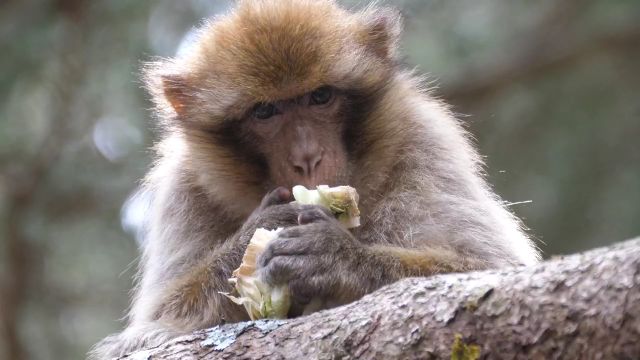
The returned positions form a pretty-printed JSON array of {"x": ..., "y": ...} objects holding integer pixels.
[{"x": 584, "y": 306}]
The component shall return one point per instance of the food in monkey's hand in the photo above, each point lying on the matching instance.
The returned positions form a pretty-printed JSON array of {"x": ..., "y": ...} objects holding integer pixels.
[
  {"x": 341, "y": 200},
  {"x": 265, "y": 301},
  {"x": 259, "y": 299}
]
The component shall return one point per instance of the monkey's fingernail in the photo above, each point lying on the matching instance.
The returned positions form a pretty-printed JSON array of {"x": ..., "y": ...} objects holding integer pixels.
[
  {"x": 277, "y": 196},
  {"x": 283, "y": 194}
]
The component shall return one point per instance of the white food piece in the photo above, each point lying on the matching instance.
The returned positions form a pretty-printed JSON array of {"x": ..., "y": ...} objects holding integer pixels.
[
  {"x": 259, "y": 299},
  {"x": 340, "y": 200}
]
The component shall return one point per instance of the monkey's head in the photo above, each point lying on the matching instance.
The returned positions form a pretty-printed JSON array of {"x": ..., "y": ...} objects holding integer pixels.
[{"x": 276, "y": 93}]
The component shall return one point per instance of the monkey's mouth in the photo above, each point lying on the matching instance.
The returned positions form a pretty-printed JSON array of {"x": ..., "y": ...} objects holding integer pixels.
[
  {"x": 311, "y": 183},
  {"x": 324, "y": 176}
]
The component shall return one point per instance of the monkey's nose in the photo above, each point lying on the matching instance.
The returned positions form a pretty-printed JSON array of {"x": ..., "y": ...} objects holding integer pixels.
[{"x": 307, "y": 164}]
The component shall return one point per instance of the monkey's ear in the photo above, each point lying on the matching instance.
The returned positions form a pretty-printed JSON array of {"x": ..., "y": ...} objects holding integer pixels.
[
  {"x": 177, "y": 92},
  {"x": 382, "y": 31}
]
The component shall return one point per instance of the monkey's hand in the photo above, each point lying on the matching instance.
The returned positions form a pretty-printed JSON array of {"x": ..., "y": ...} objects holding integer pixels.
[
  {"x": 319, "y": 259},
  {"x": 274, "y": 211}
]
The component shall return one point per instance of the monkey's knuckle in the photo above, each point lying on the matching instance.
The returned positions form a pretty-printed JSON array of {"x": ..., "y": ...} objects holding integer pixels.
[
  {"x": 276, "y": 216},
  {"x": 281, "y": 246},
  {"x": 278, "y": 271},
  {"x": 265, "y": 257},
  {"x": 282, "y": 212},
  {"x": 319, "y": 234},
  {"x": 301, "y": 291},
  {"x": 303, "y": 244},
  {"x": 316, "y": 209},
  {"x": 267, "y": 275},
  {"x": 311, "y": 216},
  {"x": 291, "y": 232}
]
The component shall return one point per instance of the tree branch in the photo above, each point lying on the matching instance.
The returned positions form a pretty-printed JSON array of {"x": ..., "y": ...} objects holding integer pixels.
[{"x": 583, "y": 306}]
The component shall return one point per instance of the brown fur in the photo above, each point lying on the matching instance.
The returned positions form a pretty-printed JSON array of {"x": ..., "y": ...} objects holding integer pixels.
[{"x": 426, "y": 207}]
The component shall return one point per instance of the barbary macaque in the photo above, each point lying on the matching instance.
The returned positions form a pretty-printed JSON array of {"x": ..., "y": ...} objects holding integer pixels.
[{"x": 278, "y": 93}]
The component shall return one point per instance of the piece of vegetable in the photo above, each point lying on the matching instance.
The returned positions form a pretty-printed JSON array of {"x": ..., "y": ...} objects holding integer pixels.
[
  {"x": 259, "y": 299},
  {"x": 340, "y": 200},
  {"x": 264, "y": 301}
]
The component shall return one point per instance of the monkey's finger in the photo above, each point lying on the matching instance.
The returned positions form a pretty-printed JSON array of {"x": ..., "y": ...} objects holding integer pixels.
[
  {"x": 279, "y": 195},
  {"x": 318, "y": 208},
  {"x": 265, "y": 257},
  {"x": 292, "y": 246},
  {"x": 291, "y": 232},
  {"x": 311, "y": 215},
  {"x": 282, "y": 247},
  {"x": 303, "y": 290},
  {"x": 281, "y": 269}
]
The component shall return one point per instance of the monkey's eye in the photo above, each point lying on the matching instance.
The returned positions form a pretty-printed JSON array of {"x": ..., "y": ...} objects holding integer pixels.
[
  {"x": 321, "y": 96},
  {"x": 264, "y": 111}
]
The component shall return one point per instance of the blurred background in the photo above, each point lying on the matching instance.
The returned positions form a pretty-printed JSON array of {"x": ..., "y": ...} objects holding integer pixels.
[{"x": 549, "y": 88}]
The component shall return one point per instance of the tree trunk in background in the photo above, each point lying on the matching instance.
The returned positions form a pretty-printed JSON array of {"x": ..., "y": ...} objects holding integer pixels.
[{"x": 584, "y": 306}]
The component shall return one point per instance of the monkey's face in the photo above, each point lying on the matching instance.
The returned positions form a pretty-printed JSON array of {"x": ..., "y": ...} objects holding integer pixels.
[
  {"x": 301, "y": 138},
  {"x": 251, "y": 102}
]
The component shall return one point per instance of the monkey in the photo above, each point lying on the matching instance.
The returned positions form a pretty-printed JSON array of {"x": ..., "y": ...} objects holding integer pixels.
[{"x": 277, "y": 93}]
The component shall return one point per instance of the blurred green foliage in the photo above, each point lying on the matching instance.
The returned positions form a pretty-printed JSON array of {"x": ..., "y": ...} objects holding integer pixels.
[{"x": 550, "y": 90}]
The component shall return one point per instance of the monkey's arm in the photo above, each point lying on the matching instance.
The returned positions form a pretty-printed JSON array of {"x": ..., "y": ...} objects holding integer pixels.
[
  {"x": 176, "y": 305},
  {"x": 472, "y": 238},
  {"x": 193, "y": 300},
  {"x": 320, "y": 259},
  {"x": 406, "y": 262}
]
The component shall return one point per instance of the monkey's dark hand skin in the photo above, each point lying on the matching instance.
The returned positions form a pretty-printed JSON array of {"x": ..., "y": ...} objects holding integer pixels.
[
  {"x": 319, "y": 258},
  {"x": 275, "y": 211}
]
